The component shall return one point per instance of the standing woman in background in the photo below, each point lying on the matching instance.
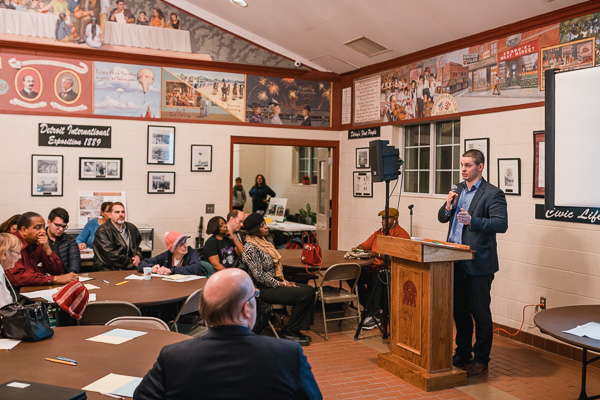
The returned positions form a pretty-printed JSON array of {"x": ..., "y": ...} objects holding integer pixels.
[
  {"x": 259, "y": 193},
  {"x": 10, "y": 252},
  {"x": 86, "y": 237}
]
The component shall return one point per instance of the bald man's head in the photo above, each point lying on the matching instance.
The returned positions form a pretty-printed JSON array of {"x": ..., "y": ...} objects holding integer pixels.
[{"x": 226, "y": 299}]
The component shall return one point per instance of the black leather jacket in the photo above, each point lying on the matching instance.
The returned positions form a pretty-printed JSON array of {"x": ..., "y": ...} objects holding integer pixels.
[{"x": 110, "y": 250}]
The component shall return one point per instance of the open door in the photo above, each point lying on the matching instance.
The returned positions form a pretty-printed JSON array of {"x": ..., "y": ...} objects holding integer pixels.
[{"x": 324, "y": 198}]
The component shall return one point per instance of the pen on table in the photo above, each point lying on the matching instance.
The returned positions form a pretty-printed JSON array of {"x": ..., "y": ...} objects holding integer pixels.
[
  {"x": 122, "y": 283},
  {"x": 66, "y": 359},
  {"x": 61, "y": 362},
  {"x": 114, "y": 396},
  {"x": 105, "y": 281}
]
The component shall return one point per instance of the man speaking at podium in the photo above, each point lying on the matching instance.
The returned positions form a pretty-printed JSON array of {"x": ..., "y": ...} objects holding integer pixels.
[{"x": 476, "y": 212}]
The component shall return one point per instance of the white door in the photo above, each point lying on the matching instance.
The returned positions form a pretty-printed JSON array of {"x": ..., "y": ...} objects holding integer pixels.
[{"x": 324, "y": 197}]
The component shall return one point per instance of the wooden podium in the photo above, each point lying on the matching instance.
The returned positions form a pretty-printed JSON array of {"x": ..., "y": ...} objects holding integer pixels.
[{"x": 422, "y": 277}]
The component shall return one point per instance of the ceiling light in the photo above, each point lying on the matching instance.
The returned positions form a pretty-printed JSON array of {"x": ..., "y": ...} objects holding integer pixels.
[{"x": 241, "y": 3}]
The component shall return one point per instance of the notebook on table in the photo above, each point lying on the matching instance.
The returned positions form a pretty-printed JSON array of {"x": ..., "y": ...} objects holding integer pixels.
[{"x": 24, "y": 390}]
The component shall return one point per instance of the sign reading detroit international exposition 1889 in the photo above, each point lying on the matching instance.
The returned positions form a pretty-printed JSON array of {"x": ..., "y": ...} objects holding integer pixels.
[{"x": 61, "y": 135}]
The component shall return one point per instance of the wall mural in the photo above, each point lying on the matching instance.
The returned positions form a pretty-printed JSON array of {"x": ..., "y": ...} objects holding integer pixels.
[{"x": 503, "y": 72}]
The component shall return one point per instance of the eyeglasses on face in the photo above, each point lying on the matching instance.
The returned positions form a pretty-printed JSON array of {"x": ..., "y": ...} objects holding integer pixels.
[
  {"x": 60, "y": 226},
  {"x": 255, "y": 295},
  {"x": 15, "y": 252}
]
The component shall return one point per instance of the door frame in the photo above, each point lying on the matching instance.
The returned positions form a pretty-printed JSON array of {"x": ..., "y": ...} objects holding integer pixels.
[{"x": 335, "y": 169}]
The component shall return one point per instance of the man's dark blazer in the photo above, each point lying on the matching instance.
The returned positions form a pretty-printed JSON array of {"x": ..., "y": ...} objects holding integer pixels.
[
  {"x": 110, "y": 250},
  {"x": 488, "y": 217},
  {"x": 230, "y": 362},
  {"x": 28, "y": 95}
]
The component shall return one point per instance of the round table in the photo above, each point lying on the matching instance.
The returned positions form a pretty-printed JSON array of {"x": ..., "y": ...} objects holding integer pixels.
[
  {"x": 290, "y": 258},
  {"x": 139, "y": 292},
  {"x": 95, "y": 360},
  {"x": 554, "y": 321}
]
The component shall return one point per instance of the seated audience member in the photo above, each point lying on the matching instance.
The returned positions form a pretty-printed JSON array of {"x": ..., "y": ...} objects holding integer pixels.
[
  {"x": 10, "y": 225},
  {"x": 38, "y": 264},
  {"x": 121, "y": 14},
  {"x": 235, "y": 219},
  {"x": 158, "y": 19},
  {"x": 230, "y": 362},
  {"x": 142, "y": 20},
  {"x": 174, "y": 22},
  {"x": 178, "y": 259},
  {"x": 63, "y": 29},
  {"x": 10, "y": 252},
  {"x": 86, "y": 237},
  {"x": 62, "y": 244},
  {"x": 117, "y": 243},
  {"x": 370, "y": 288},
  {"x": 222, "y": 249},
  {"x": 264, "y": 264}
]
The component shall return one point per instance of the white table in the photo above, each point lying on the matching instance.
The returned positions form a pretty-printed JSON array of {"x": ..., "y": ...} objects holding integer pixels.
[
  {"x": 147, "y": 37},
  {"x": 291, "y": 227},
  {"x": 28, "y": 23}
]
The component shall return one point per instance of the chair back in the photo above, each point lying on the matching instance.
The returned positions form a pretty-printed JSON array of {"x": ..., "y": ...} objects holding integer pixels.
[
  {"x": 100, "y": 312},
  {"x": 139, "y": 323},
  {"x": 191, "y": 304},
  {"x": 341, "y": 272}
]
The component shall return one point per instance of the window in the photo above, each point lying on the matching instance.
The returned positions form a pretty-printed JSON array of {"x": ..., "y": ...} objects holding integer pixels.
[
  {"x": 307, "y": 163},
  {"x": 432, "y": 156}
]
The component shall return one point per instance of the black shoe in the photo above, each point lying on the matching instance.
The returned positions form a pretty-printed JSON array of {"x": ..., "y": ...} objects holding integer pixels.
[
  {"x": 370, "y": 323},
  {"x": 302, "y": 336},
  {"x": 460, "y": 362},
  {"x": 285, "y": 334}
]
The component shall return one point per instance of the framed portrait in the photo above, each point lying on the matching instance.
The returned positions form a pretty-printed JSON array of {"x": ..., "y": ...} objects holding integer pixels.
[
  {"x": 509, "y": 175},
  {"x": 29, "y": 84},
  {"x": 46, "y": 175},
  {"x": 201, "y": 158},
  {"x": 483, "y": 145},
  {"x": 67, "y": 86},
  {"x": 161, "y": 182},
  {"x": 363, "y": 184},
  {"x": 539, "y": 164},
  {"x": 100, "y": 169},
  {"x": 161, "y": 145},
  {"x": 362, "y": 158}
]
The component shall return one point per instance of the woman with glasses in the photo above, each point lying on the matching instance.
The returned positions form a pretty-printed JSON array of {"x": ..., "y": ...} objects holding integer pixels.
[
  {"x": 86, "y": 237},
  {"x": 222, "y": 249},
  {"x": 178, "y": 259},
  {"x": 264, "y": 265},
  {"x": 10, "y": 252}
]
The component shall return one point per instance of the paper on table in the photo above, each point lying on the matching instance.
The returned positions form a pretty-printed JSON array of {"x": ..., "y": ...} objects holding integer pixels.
[
  {"x": 45, "y": 294},
  {"x": 182, "y": 278},
  {"x": 591, "y": 330},
  {"x": 84, "y": 278},
  {"x": 121, "y": 385},
  {"x": 8, "y": 344},
  {"x": 116, "y": 336},
  {"x": 92, "y": 297},
  {"x": 135, "y": 277},
  {"x": 89, "y": 286}
]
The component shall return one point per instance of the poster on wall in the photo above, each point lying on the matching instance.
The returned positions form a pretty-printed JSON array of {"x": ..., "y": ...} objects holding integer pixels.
[
  {"x": 203, "y": 95},
  {"x": 46, "y": 175},
  {"x": 346, "y": 105},
  {"x": 288, "y": 101},
  {"x": 366, "y": 99},
  {"x": 90, "y": 202},
  {"x": 43, "y": 84},
  {"x": 126, "y": 90}
]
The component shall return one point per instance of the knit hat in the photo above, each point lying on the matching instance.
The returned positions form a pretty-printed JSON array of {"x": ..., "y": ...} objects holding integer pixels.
[
  {"x": 73, "y": 298},
  {"x": 392, "y": 213},
  {"x": 174, "y": 239},
  {"x": 253, "y": 222}
]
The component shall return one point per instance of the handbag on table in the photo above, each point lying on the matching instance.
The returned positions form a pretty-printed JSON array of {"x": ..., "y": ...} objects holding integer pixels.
[
  {"x": 312, "y": 255},
  {"x": 25, "y": 322}
]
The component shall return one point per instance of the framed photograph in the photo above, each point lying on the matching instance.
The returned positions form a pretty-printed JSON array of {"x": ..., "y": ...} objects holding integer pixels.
[
  {"x": 509, "y": 175},
  {"x": 482, "y": 145},
  {"x": 201, "y": 158},
  {"x": 161, "y": 182},
  {"x": 362, "y": 158},
  {"x": 46, "y": 175},
  {"x": 100, "y": 169},
  {"x": 539, "y": 164},
  {"x": 363, "y": 184},
  {"x": 161, "y": 145},
  {"x": 276, "y": 209}
]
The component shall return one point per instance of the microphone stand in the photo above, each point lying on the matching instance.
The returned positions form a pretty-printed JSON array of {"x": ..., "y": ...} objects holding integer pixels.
[{"x": 411, "y": 216}]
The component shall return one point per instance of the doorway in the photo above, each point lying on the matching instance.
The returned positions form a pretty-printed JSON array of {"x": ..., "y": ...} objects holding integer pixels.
[{"x": 303, "y": 171}]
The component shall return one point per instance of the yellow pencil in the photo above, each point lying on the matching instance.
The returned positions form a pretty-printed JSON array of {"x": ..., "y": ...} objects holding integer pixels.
[
  {"x": 122, "y": 283},
  {"x": 61, "y": 361}
]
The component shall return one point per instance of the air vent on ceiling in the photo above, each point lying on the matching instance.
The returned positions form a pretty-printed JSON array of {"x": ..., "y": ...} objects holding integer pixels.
[{"x": 366, "y": 46}]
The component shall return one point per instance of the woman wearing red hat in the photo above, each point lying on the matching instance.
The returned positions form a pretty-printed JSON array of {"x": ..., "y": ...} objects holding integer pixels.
[{"x": 178, "y": 259}]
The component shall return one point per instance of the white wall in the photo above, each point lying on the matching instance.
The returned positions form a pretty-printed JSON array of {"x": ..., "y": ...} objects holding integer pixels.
[
  {"x": 557, "y": 260},
  {"x": 180, "y": 211}
]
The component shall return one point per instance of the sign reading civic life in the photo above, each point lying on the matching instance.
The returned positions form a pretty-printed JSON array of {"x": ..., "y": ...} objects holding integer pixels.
[
  {"x": 61, "y": 135},
  {"x": 364, "y": 133},
  {"x": 580, "y": 215}
]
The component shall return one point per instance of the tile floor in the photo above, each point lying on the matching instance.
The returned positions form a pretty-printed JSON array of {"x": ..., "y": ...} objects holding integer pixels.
[{"x": 347, "y": 369}]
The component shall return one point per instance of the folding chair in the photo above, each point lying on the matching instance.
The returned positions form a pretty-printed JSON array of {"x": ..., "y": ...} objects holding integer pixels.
[
  {"x": 139, "y": 323},
  {"x": 100, "y": 312},
  {"x": 328, "y": 294},
  {"x": 191, "y": 304}
]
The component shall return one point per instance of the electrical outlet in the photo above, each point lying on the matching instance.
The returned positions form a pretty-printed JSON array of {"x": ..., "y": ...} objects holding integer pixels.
[
  {"x": 210, "y": 208},
  {"x": 542, "y": 303}
]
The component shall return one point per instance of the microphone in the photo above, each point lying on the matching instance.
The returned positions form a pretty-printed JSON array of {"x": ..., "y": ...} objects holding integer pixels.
[
  {"x": 411, "y": 206},
  {"x": 454, "y": 188}
]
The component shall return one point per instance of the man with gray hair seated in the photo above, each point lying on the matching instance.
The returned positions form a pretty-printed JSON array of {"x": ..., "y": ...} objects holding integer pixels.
[{"x": 230, "y": 362}]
